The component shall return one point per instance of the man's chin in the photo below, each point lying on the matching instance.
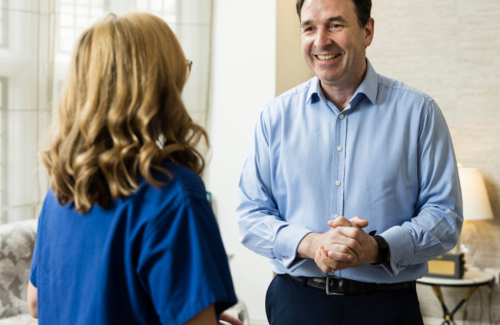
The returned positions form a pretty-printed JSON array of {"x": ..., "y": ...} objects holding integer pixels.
[{"x": 328, "y": 78}]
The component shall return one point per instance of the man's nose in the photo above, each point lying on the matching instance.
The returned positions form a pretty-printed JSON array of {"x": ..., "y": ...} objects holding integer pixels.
[{"x": 322, "y": 39}]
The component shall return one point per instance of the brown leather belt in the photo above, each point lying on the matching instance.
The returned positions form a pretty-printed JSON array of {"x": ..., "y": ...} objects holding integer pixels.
[{"x": 340, "y": 286}]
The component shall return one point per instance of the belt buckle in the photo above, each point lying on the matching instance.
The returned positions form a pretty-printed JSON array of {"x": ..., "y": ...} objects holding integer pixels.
[{"x": 328, "y": 278}]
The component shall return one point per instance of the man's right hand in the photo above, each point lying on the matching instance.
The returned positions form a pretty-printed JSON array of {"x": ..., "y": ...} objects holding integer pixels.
[{"x": 343, "y": 243}]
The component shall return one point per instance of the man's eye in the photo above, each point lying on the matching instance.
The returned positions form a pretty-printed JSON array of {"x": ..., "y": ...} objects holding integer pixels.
[
  {"x": 308, "y": 29},
  {"x": 336, "y": 26}
]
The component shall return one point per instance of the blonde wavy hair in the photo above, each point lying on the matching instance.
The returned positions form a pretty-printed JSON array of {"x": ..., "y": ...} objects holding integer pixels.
[{"x": 122, "y": 96}]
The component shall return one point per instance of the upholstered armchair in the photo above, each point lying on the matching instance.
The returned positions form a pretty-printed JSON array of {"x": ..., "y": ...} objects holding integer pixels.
[{"x": 17, "y": 241}]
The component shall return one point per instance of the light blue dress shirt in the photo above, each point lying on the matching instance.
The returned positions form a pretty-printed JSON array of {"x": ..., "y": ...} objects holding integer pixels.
[{"x": 388, "y": 158}]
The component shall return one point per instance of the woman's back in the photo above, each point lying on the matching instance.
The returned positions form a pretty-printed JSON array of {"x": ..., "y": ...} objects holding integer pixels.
[{"x": 154, "y": 257}]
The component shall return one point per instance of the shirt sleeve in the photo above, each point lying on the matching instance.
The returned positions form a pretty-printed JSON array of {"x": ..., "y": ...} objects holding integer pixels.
[
  {"x": 183, "y": 265},
  {"x": 35, "y": 257},
  {"x": 261, "y": 228},
  {"x": 437, "y": 224},
  {"x": 34, "y": 267}
]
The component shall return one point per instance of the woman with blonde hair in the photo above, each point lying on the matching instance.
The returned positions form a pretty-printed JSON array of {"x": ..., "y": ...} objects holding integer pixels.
[{"x": 126, "y": 234}]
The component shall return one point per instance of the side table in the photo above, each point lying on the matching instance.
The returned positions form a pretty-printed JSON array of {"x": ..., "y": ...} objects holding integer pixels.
[{"x": 472, "y": 279}]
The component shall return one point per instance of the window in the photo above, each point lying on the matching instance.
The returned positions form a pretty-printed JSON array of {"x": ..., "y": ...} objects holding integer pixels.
[
  {"x": 36, "y": 57},
  {"x": 4, "y": 24},
  {"x": 4, "y": 193},
  {"x": 166, "y": 9},
  {"x": 73, "y": 16}
]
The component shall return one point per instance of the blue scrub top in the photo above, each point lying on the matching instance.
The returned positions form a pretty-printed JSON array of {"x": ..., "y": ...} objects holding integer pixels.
[{"x": 155, "y": 257}]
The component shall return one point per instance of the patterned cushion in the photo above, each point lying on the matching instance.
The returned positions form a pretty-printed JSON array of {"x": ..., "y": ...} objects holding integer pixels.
[{"x": 17, "y": 241}]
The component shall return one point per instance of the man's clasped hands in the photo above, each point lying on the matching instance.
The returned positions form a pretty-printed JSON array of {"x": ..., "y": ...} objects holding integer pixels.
[{"x": 343, "y": 246}]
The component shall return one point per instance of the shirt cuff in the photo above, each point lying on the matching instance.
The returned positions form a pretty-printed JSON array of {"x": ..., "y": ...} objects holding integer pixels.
[
  {"x": 33, "y": 279},
  {"x": 286, "y": 246},
  {"x": 401, "y": 249}
]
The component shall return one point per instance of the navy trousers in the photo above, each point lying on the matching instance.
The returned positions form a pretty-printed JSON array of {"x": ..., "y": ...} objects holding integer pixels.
[{"x": 288, "y": 302}]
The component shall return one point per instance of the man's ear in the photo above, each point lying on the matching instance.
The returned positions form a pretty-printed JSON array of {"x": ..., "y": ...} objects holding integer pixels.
[{"x": 369, "y": 30}]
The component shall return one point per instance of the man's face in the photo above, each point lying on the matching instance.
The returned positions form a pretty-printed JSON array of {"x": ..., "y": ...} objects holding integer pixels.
[{"x": 333, "y": 44}]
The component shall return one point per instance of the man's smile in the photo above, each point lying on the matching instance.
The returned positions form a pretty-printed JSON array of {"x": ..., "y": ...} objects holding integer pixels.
[{"x": 327, "y": 58}]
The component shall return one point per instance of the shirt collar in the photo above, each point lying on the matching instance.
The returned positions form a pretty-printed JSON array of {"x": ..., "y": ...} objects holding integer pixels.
[{"x": 369, "y": 86}]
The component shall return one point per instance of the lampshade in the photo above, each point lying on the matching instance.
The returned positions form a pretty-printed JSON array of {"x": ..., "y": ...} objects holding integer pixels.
[{"x": 476, "y": 202}]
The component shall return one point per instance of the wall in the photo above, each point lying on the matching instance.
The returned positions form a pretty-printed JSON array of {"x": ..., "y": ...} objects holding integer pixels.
[
  {"x": 449, "y": 49},
  {"x": 251, "y": 65},
  {"x": 291, "y": 69},
  {"x": 243, "y": 81}
]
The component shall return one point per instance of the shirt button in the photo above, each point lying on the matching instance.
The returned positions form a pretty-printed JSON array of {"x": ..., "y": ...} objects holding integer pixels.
[
  {"x": 335, "y": 216},
  {"x": 337, "y": 183},
  {"x": 341, "y": 116},
  {"x": 339, "y": 148}
]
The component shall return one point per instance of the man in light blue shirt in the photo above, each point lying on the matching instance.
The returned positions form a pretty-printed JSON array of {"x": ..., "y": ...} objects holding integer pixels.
[{"x": 349, "y": 142}]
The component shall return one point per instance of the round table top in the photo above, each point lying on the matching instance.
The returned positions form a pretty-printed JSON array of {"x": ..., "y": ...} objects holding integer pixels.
[{"x": 471, "y": 278}]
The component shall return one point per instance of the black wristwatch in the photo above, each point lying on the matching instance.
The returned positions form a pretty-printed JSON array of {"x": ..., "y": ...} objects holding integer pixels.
[{"x": 383, "y": 250}]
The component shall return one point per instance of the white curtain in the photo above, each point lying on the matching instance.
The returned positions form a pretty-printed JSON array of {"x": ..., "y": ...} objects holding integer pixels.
[{"x": 36, "y": 40}]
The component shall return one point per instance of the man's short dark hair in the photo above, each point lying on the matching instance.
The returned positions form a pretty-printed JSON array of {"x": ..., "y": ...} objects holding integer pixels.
[{"x": 363, "y": 10}]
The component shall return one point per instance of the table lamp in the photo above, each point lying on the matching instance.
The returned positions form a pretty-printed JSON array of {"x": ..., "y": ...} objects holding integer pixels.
[{"x": 476, "y": 207}]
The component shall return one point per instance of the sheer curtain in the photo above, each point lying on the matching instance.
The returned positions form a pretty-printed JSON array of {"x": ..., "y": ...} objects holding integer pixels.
[{"x": 36, "y": 40}]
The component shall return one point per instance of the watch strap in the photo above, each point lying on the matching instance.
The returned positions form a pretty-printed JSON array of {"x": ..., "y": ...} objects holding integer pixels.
[{"x": 383, "y": 250}]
